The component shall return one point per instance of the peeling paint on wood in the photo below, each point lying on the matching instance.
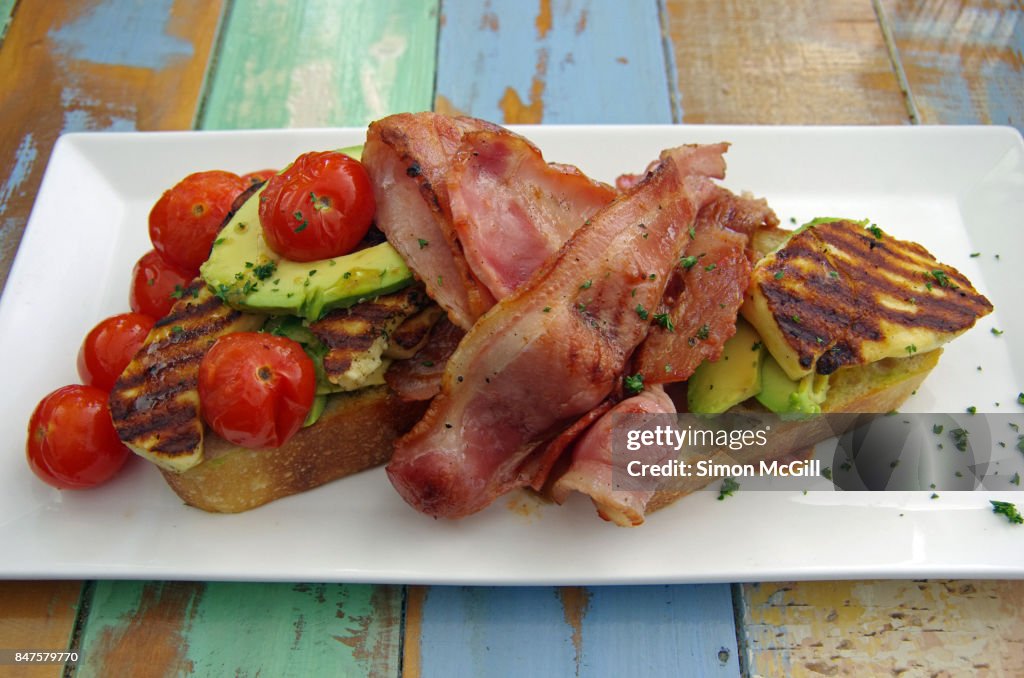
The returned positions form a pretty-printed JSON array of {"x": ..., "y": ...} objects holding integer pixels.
[
  {"x": 600, "y": 631},
  {"x": 160, "y": 629},
  {"x": 92, "y": 66},
  {"x": 322, "y": 63},
  {"x": 553, "y": 61},
  {"x": 795, "y": 62},
  {"x": 964, "y": 61},
  {"x": 926, "y": 628}
]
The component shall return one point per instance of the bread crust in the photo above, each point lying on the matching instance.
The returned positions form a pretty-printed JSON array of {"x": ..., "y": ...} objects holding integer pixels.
[
  {"x": 876, "y": 388},
  {"x": 356, "y": 431}
]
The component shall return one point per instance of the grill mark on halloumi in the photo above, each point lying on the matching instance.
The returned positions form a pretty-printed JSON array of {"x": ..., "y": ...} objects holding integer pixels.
[
  {"x": 155, "y": 402},
  {"x": 413, "y": 333},
  {"x": 356, "y": 337},
  {"x": 837, "y": 295}
]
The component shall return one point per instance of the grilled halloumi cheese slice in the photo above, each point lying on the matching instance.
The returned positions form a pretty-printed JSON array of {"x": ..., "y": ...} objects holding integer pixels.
[
  {"x": 155, "y": 402},
  {"x": 841, "y": 293},
  {"x": 357, "y": 337}
]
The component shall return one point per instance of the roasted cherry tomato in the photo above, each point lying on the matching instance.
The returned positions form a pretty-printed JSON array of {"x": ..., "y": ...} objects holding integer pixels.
[
  {"x": 185, "y": 221},
  {"x": 72, "y": 443},
  {"x": 156, "y": 284},
  {"x": 259, "y": 176},
  {"x": 255, "y": 390},
  {"x": 110, "y": 346},
  {"x": 319, "y": 207}
]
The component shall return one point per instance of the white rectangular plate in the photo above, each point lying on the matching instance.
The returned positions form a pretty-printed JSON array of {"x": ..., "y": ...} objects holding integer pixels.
[{"x": 956, "y": 190}]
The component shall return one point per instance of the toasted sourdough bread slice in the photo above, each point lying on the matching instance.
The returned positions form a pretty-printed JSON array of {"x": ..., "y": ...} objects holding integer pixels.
[
  {"x": 356, "y": 431},
  {"x": 877, "y": 388}
]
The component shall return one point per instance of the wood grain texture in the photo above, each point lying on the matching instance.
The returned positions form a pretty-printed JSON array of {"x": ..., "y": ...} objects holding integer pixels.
[
  {"x": 795, "y": 62},
  {"x": 93, "y": 65},
  {"x": 322, "y": 63},
  {"x": 603, "y": 631},
  {"x": 907, "y": 628},
  {"x": 37, "y": 615},
  {"x": 224, "y": 629},
  {"x": 553, "y": 61},
  {"x": 963, "y": 61}
]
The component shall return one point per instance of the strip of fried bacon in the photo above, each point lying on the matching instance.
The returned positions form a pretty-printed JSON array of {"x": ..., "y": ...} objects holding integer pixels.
[
  {"x": 556, "y": 347},
  {"x": 408, "y": 157},
  {"x": 698, "y": 312},
  {"x": 511, "y": 209},
  {"x": 595, "y": 471}
]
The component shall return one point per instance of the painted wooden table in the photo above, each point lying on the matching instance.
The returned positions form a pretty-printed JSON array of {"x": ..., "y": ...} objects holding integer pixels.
[{"x": 213, "y": 64}]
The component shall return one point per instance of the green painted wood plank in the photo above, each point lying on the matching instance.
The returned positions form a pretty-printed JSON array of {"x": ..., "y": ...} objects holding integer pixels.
[
  {"x": 6, "y": 10},
  {"x": 321, "y": 63},
  {"x": 237, "y": 629}
]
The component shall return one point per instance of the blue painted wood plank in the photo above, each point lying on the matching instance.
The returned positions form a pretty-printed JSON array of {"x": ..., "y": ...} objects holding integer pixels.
[
  {"x": 963, "y": 60},
  {"x": 603, "y": 631},
  {"x": 563, "y": 61},
  {"x": 556, "y": 61}
]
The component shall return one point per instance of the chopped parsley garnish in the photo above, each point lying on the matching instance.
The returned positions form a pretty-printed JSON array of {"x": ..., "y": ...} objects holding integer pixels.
[
  {"x": 975, "y": 255},
  {"x": 178, "y": 292},
  {"x": 996, "y": 332},
  {"x": 1007, "y": 509},
  {"x": 710, "y": 267},
  {"x": 1015, "y": 480},
  {"x": 755, "y": 346},
  {"x": 689, "y": 262},
  {"x": 177, "y": 329},
  {"x": 692, "y": 232},
  {"x": 972, "y": 410},
  {"x": 586, "y": 284},
  {"x": 959, "y": 436},
  {"x": 942, "y": 279},
  {"x": 641, "y": 311},
  {"x": 264, "y": 271},
  {"x": 911, "y": 349},
  {"x": 665, "y": 321},
  {"x": 875, "y": 231},
  {"x": 729, "y": 486},
  {"x": 301, "y": 227},
  {"x": 1020, "y": 398},
  {"x": 779, "y": 275},
  {"x": 703, "y": 332},
  {"x": 422, "y": 243},
  {"x": 634, "y": 383},
  {"x": 827, "y": 472},
  {"x": 427, "y": 363},
  {"x": 795, "y": 318},
  {"x": 937, "y": 429},
  {"x": 833, "y": 274}
]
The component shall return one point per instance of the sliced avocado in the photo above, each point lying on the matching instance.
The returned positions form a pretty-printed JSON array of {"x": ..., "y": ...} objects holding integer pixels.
[
  {"x": 353, "y": 151},
  {"x": 316, "y": 409},
  {"x": 249, "y": 276},
  {"x": 716, "y": 386},
  {"x": 783, "y": 395}
]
